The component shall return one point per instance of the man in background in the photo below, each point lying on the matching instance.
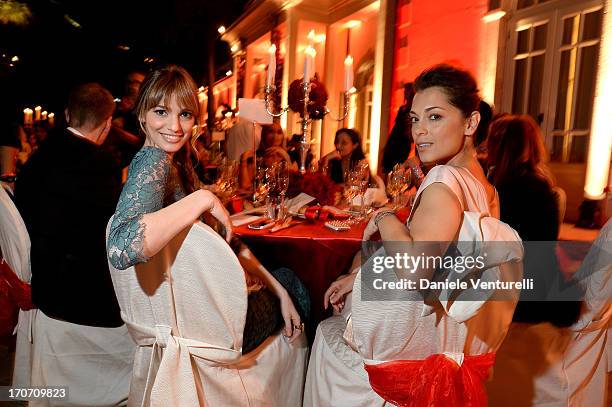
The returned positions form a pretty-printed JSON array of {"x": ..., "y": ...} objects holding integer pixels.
[{"x": 66, "y": 194}]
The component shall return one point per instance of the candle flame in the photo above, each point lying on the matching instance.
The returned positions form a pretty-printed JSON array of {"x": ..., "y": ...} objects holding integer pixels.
[{"x": 311, "y": 51}]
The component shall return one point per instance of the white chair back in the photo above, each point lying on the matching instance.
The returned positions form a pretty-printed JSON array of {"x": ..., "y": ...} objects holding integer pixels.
[{"x": 190, "y": 300}]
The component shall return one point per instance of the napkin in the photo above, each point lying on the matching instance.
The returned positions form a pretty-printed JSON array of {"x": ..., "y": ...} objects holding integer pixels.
[
  {"x": 294, "y": 204},
  {"x": 242, "y": 218}
]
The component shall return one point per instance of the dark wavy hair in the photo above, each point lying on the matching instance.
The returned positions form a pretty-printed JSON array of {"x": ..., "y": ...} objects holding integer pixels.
[
  {"x": 458, "y": 84},
  {"x": 164, "y": 84}
]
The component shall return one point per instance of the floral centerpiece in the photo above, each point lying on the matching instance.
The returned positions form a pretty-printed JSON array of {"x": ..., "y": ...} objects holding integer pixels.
[
  {"x": 315, "y": 184},
  {"x": 316, "y": 101}
]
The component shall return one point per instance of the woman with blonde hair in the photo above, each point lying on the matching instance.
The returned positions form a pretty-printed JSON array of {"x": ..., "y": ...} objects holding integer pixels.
[{"x": 162, "y": 197}]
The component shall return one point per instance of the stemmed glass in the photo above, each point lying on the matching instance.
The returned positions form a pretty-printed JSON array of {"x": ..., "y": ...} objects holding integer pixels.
[
  {"x": 362, "y": 178},
  {"x": 282, "y": 178},
  {"x": 399, "y": 180},
  {"x": 261, "y": 187},
  {"x": 351, "y": 189},
  {"x": 226, "y": 184}
]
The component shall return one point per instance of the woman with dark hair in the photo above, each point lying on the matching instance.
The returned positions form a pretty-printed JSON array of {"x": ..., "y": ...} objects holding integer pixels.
[
  {"x": 162, "y": 197},
  {"x": 517, "y": 161},
  {"x": 424, "y": 349},
  {"x": 517, "y": 168},
  {"x": 399, "y": 144},
  {"x": 347, "y": 155}
]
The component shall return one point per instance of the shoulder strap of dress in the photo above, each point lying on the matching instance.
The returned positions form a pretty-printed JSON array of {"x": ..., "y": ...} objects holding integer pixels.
[
  {"x": 446, "y": 176},
  {"x": 469, "y": 178}
]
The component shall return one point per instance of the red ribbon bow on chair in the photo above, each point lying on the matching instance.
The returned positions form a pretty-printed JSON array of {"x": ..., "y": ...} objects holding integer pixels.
[{"x": 19, "y": 291}]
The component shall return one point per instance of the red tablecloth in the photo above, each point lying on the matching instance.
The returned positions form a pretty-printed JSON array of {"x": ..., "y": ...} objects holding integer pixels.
[{"x": 318, "y": 255}]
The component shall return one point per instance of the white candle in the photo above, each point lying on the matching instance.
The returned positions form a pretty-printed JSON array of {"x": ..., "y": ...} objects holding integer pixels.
[
  {"x": 348, "y": 73},
  {"x": 311, "y": 38},
  {"x": 271, "y": 65},
  {"x": 44, "y": 115},
  {"x": 37, "y": 111},
  {"x": 309, "y": 63},
  {"x": 27, "y": 116},
  {"x": 51, "y": 119}
]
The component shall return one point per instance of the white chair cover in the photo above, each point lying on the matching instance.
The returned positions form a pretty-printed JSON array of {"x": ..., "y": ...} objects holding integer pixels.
[
  {"x": 15, "y": 244},
  {"x": 408, "y": 329},
  {"x": 562, "y": 366},
  {"x": 186, "y": 310}
]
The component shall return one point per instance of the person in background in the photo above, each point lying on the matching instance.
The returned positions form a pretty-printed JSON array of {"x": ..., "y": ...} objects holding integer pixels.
[
  {"x": 517, "y": 161},
  {"x": 124, "y": 140},
  {"x": 399, "y": 144},
  {"x": 347, "y": 155},
  {"x": 10, "y": 144},
  {"x": 293, "y": 148},
  {"x": 65, "y": 193},
  {"x": 486, "y": 115},
  {"x": 271, "y": 151}
]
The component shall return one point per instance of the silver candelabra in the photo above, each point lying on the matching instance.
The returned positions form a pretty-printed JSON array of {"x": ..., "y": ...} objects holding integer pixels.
[{"x": 305, "y": 141}]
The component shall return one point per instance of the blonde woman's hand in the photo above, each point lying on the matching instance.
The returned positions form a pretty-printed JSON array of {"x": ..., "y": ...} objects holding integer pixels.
[
  {"x": 293, "y": 322},
  {"x": 218, "y": 210}
]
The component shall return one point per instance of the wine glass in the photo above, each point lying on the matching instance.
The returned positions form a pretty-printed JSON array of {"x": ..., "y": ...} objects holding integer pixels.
[
  {"x": 282, "y": 177},
  {"x": 399, "y": 180},
  {"x": 363, "y": 179},
  {"x": 352, "y": 188}
]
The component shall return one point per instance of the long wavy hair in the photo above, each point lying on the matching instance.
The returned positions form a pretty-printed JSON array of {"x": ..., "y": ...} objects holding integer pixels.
[
  {"x": 516, "y": 147},
  {"x": 163, "y": 85}
]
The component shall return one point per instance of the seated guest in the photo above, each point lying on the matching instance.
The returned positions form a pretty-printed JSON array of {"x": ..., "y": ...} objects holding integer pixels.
[
  {"x": 486, "y": 115},
  {"x": 399, "y": 144},
  {"x": 517, "y": 162},
  {"x": 271, "y": 151},
  {"x": 347, "y": 155},
  {"x": 9, "y": 151},
  {"x": 272, "y": 148},
  {"x": 423, "y": 349},
  {"x": 162, "y": 197},
  {"x": 66, "y": 192},
  {"x": 293, "y": 148}
]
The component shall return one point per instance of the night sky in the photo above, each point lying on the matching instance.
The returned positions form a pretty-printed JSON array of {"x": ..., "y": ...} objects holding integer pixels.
[{"x": 67, "y": 42}]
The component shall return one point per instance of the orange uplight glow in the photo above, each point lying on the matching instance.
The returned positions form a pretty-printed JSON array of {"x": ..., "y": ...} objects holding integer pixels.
[{"x": 600, "y": 146}]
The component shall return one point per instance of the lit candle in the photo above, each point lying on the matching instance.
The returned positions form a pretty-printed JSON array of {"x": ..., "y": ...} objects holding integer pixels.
[
  {"x": 51, "y": 118},
  {"x": 27, "y": 116},
  {"x": 271, "y": 65},
  {"x": 311, "y": 38},
  {"x": 37, "y": 111},
  {"x": 44, "y": 115},
  {"x": 309, "y": 63},
  {"x": 348, "y": 73}
]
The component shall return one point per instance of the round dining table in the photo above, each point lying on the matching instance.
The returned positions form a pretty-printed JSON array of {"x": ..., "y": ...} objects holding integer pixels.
[{"x": 317, "y": 254}]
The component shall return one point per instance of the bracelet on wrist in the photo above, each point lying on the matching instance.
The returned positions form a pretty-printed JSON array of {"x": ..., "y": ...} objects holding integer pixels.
[{"x": 383, "y": 214}]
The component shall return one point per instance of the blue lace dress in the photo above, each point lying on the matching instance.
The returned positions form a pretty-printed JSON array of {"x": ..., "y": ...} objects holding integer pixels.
[{"x": 153, "y": 184}]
